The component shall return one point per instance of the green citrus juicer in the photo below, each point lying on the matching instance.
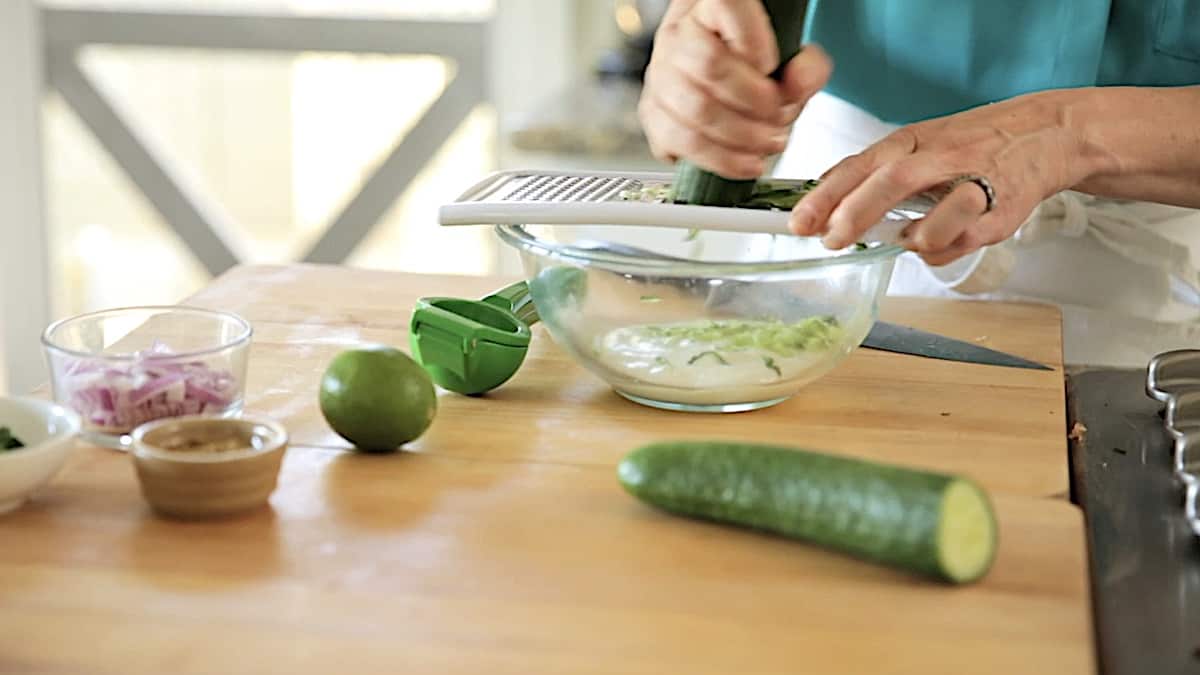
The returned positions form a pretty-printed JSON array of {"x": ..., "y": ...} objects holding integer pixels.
[{"x": 473, "y": 346}]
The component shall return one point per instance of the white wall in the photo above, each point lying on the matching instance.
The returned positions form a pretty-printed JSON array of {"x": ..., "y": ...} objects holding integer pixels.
[{"x": 23, "y": 266}]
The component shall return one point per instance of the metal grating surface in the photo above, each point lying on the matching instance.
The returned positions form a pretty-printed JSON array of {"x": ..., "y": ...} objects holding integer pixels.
[{"x": 548, "y": 188}]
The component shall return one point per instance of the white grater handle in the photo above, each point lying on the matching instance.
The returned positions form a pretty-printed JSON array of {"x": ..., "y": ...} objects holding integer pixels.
[
  {"x": 681, "y": 216},
  {"x": 686, "y": 216}
]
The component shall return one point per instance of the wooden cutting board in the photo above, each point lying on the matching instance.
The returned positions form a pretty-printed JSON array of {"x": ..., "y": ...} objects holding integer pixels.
[
  {"x": 426, "y": 563},
  {"x": 1004, "y": 427},
  {"x": 505, "y": 544}
]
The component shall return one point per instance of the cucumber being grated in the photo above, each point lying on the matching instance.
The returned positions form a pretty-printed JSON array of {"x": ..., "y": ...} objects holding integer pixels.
[{"x": 694, "y": 185}]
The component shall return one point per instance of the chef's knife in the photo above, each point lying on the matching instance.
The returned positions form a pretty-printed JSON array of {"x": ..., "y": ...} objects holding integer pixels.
[{"x": 904, "y": 340}]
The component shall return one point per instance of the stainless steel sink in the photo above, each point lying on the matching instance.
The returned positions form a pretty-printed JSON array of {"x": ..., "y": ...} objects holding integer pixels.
[{"x": 1144, "y": 556}]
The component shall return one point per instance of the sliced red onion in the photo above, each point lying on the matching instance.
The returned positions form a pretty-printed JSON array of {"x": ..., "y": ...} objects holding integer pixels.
[{"x": 118, "y": 399}]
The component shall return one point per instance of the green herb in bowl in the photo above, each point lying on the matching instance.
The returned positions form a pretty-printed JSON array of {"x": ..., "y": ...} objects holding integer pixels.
[{"x": 8, "y": 441}]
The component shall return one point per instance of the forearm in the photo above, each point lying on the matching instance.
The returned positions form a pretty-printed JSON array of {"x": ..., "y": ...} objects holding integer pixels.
[{"x": 1138, "y": 143}]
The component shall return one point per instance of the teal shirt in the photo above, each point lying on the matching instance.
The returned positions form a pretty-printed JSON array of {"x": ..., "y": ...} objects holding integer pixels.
[{"x": 908, "y": 60}]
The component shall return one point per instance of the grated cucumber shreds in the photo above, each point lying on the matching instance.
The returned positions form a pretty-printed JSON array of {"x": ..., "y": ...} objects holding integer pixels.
[
  {"x": 649, "y": 192},
  {"x": 777, "y": 196},
  {"x": 767, "y": 194},
  {"x": 8, "y": 441},
  {"x": 776, "y": 337}
]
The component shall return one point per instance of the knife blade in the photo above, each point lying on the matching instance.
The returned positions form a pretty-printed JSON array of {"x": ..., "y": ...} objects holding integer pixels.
[{"x": 891, "y": 337}]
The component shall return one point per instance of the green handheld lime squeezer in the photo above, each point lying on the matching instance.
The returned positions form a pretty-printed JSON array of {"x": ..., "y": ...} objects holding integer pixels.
[{"x": 473, "y": 346}]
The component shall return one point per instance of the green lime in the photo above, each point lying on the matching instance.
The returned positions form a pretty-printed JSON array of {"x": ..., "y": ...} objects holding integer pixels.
[{"x": 377, "y": 398}]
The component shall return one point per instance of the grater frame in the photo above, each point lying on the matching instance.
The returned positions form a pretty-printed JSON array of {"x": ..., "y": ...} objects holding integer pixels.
[{"x": 526, "y": 197}]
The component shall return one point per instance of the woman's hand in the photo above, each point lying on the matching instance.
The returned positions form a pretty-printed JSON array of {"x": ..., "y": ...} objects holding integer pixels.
[
  {"x": 708, "y": 95},
  {"x": 1023, "y": 147}
]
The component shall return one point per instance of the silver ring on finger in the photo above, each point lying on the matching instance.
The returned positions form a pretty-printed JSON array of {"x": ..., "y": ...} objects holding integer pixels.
[{"x": 984, "y": 184}]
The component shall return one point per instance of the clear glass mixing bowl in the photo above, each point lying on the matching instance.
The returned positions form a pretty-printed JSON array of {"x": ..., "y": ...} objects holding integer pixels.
[{"x": 718, "y": 322}]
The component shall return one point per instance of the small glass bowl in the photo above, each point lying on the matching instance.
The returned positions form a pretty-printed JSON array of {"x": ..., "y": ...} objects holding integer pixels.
[{"x": 120, "y": 368}]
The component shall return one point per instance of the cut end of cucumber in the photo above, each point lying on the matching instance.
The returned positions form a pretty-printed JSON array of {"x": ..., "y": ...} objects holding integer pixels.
[
  {"x": 630, "y": 474},
  {"x": 966, "y": 532}
]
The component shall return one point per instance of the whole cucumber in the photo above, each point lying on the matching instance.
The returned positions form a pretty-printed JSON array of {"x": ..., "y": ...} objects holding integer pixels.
[{"x": 928, "y": 523}]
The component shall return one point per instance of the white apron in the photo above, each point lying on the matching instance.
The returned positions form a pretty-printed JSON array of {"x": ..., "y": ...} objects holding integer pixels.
[{"x": 1121, "y": 271}]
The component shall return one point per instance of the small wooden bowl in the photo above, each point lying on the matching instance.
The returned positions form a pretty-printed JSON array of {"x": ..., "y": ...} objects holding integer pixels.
[{"x": 208, "y": 467}]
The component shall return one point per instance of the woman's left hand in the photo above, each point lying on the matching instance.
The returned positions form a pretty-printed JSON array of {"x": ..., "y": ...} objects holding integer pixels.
[{"x": 1022, "y": 147}]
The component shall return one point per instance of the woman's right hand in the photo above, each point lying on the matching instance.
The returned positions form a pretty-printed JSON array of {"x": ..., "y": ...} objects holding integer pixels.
[{"x": 708, "y": 96}]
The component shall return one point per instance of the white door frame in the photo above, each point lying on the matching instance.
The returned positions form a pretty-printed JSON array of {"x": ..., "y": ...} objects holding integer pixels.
[{"x": 24, "y": 252}]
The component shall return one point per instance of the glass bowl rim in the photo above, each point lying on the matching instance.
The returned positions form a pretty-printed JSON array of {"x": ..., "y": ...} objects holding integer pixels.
[
  {"x": 241, "y": 338},
  {"x": 520, "y": 238}
]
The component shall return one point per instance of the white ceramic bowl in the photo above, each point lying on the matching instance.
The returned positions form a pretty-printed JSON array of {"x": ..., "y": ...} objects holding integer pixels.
[{"x": 47, "y": 430}]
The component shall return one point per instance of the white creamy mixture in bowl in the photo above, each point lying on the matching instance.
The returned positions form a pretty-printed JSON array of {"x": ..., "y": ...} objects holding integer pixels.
[{"x": 716, "y": 322}]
